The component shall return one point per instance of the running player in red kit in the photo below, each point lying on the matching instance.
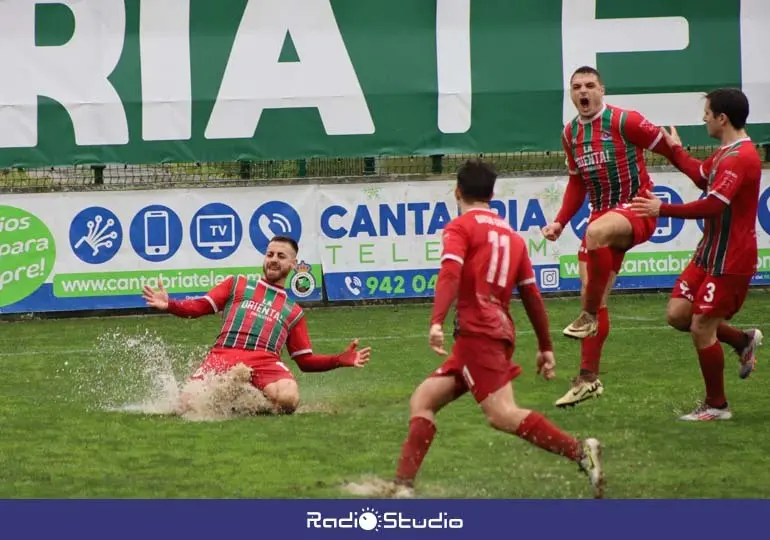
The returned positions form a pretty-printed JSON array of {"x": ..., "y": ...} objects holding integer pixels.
[
  {"x": 483, "y": 261},
  {"x": 714, "y": 285},
  {"x": 258, "y": 319},
  {"x": 605, "y": 155}
]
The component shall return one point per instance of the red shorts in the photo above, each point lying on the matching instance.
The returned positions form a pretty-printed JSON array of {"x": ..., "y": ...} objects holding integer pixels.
[
  {"x": 265, "y": 368},
  {"x": 715, "y": 296},
  {"x": 479, "y": 364},
  {"x": 643, "y": 228}
]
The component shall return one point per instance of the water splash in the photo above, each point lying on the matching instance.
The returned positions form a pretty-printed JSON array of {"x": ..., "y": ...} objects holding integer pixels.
[{"x": 141, "y": 373}]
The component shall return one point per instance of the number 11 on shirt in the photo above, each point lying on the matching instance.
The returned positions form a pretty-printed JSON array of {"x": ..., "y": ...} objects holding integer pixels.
[{"x": 500, "y": 257}]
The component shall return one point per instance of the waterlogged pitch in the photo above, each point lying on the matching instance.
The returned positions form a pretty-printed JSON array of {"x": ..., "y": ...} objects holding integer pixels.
[{"x": 86, "y": 403}]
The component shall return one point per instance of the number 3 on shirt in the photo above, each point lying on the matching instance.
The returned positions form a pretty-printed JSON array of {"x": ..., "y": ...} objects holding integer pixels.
[{"x": 499, "y": 259}]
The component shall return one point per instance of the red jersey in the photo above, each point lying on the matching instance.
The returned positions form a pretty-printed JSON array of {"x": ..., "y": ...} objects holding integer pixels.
[
  {"x": 607, "y": 154},
  {"x": 258, "y": 316},
  {"x": 729, "y": 244},
  {"x": 494, "y": 261}
]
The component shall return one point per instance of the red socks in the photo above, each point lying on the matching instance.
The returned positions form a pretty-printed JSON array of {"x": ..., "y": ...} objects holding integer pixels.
[
  {"x": 712, "y": 366},
  {"x": 537, "y": 430},
  {"x": 599, "y": 267},
  {"x": 418, "y": 441},
  {"x": 591, "y": 347},
  {"x": 737, "y": 339}
]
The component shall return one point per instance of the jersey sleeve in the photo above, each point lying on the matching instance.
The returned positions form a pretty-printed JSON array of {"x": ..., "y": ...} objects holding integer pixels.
[
  {"x": 212, "y": 302},
  {"x": 455, "y": 243},
  {"x": 298, "y": 340},
  {"x": 219, "y": 295},
  {"x": 642, "y": 133},
  {"x": 728, "y": 178}
]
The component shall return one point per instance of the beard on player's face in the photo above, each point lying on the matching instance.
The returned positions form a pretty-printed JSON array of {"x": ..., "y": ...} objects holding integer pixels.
[{"x": 275, "y": 271}]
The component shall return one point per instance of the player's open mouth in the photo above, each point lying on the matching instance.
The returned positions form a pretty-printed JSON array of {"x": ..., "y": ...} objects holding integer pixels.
[{"x": 584, "y": 102}]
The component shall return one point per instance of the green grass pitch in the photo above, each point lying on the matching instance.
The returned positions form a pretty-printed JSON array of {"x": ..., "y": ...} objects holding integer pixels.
[{"x": 61, "y": 437}]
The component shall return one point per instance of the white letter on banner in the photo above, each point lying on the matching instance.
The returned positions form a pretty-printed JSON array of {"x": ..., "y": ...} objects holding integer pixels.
[
  {"x": 324, "y": 77},
  {"x": 583, "y": 36},
  {"x": 453, "y": 60},
  {"x": 755, "y": 45},
  {"x": 74, "y": 74},
  {"x": 164, "y": 49}
]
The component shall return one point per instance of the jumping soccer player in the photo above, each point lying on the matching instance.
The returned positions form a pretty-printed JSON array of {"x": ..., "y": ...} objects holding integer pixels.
[
  {"x": 483, "y": 260},
  {"x": 714, "y": 285},
  {"x": 259, "y": 318},
  {"x": 605, "y": 155}
]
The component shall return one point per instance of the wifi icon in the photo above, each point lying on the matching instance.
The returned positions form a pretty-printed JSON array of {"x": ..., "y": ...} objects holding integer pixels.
[{"x": 274, "y": 218}]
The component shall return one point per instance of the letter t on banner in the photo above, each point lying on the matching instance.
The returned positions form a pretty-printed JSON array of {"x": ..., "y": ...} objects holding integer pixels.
[{"x": 583, "y": 36}]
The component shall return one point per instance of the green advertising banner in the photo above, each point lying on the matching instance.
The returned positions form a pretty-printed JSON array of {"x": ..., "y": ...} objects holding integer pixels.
[{"x": 145, "y": 81}]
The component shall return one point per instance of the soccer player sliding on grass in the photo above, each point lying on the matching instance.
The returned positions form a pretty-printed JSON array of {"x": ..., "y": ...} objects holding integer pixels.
[
  {"x": 483, "y": 260},
  {"x": 605, "y": 154},
  {"x": 714, "y": 285},
  {"x": 258, "y": 320}
]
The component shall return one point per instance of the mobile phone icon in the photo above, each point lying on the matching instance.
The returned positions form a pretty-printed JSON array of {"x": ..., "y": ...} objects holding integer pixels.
[
  {"x": 664, "y": 226},
  {"x": 156, "y": 234}
]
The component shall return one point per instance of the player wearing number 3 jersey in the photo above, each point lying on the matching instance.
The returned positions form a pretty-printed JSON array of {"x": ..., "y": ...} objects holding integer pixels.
[
  {"x": 713, "y": 287},
  {"x": 483, "y": 261},
  {"x": 258, "y": 320}
]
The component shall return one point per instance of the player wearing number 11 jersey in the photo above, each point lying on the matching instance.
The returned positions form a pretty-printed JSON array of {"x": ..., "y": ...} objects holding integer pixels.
[
  {"x": 258, "y": 319},
  {"x": 483, "y": 261}
]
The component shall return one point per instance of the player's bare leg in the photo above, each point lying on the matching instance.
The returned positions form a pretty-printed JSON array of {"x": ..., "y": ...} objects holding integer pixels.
[
  {"x": 712, "y": 364},
  {"x": 744, "y": 342},
  {"x": 283, "y": 395},
  {"x": 587, "y": 384},
  {"x": 505, "y": 415},
  {"x": 610, "y": 231},
  {"x": 433, "y": 394}
]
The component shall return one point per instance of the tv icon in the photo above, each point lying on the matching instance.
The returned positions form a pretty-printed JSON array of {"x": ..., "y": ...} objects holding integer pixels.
[{"x": 216, "y": 232}]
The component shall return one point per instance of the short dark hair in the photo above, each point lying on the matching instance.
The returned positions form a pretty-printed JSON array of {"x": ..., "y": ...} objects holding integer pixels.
[
  {"x": 476, "y": 181},
  {"x": 586, "y": 70},
  {"x": 286, "y": 240},
  {"x": 732, "y": 103}
]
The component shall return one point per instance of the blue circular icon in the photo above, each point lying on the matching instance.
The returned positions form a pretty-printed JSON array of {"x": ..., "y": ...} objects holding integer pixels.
[
  {"x": 95, "y": 235},
  {"x": 667, "y": 228},
  {"x": 579, "y": 221},
  {"x": 763, "y": 212},
  {"x": 274, "y": 218},
  {"x": 155, "y": 233},
  {"x": 216, "y": 231}
]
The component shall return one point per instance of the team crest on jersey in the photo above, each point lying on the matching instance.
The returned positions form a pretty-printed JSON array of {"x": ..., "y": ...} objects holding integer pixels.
[
  {"x": 606, "y": 135},
  {"x": 303, "y": 283}
]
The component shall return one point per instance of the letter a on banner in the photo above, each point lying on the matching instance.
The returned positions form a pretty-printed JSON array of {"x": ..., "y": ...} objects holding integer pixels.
[{"x": 323, "y": 78}]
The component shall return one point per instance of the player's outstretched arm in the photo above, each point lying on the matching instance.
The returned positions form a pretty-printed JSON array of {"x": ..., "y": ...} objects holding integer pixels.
[
  {"x": 301, "y": 351},
  {"x": 192, "y": 308},
  {"x": 727, "y": 181},
  {"x": 694, "y": 168},
  {"x": 648, "y": 204}
]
